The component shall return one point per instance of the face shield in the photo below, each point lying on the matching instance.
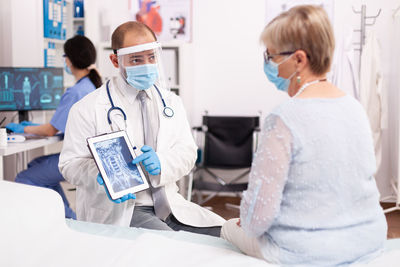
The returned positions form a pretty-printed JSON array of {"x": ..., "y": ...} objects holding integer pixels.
[{"x": 141, "y": 66}]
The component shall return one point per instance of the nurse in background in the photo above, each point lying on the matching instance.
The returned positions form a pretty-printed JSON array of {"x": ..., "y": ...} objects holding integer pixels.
[
  {"x": 312, "y": 197},
  {"x": 80, "y": 55}
]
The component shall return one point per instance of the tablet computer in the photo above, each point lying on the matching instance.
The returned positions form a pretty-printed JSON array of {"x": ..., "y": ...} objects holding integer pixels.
[{"x": 113, "y": 154}]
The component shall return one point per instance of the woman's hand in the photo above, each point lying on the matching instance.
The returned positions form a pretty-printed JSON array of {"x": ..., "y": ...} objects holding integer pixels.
[{"x": 238, "y": 223}]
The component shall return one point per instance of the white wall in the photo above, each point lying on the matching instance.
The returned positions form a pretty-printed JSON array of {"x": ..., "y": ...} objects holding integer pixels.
[
  {"x": 5, "y": 30},
  {"x": 20, "y": 28},
  {"x": 27, "y": 25},
  {"x": 227, "y": 61}
]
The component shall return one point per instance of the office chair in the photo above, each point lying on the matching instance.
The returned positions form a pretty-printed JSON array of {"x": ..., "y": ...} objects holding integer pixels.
[{"x": 229, "y": 144}]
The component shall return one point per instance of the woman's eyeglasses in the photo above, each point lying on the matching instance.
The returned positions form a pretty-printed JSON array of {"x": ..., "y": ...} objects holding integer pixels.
[{"x": 268, "y": 57}]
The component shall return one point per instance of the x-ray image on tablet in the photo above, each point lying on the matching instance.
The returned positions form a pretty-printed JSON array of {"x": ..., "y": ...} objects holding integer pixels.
[{"x": 113, "y": 154}]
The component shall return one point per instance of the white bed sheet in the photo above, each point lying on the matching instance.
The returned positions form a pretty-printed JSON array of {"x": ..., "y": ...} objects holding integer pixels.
[
  {"x": 33, "y": 232},
  {"x": 133, "y": 233},
  {"x": 391, "y": 257}
]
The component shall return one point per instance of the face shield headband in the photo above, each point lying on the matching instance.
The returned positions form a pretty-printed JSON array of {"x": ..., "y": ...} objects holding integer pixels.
[{"x": 138, "y": 48}]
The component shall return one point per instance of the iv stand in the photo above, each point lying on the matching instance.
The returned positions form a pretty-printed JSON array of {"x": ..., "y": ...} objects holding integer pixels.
[{"x": 363, "y": 25}]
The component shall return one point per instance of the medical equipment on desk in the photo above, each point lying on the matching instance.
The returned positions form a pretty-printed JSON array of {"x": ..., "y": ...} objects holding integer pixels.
[
  {"x": 15, "y": 138},
  {"x": 167, "y": 111}
]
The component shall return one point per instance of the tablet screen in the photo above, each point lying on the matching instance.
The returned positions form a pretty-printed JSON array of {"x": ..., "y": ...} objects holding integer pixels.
[{"x": 116, "y": 160}]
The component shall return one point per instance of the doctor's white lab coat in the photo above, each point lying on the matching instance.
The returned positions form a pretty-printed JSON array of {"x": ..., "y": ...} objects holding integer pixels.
[
  {"x": 373, "y": 95},
  {"x": 176, "y": 150}
]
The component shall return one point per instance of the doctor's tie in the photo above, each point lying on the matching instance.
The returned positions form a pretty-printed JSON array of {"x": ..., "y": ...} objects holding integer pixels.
[{"x": 161, "y": 205}]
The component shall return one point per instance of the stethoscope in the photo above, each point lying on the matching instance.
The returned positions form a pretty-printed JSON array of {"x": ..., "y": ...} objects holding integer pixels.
[{"x": 167, "y": 111}]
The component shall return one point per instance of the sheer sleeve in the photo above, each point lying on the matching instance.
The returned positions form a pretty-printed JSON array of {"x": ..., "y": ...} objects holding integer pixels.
[{"x": 261, "y": 201}]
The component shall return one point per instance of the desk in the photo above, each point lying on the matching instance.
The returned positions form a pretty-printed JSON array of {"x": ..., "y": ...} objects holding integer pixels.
[{"x": 14, "y": 148}]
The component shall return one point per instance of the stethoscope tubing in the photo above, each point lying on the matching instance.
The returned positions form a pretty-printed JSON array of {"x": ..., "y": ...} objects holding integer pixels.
[{"x": 167, "y": 111}]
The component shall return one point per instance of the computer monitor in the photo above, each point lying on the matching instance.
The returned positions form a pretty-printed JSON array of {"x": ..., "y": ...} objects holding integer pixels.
[{"x": 25, "y": 89}]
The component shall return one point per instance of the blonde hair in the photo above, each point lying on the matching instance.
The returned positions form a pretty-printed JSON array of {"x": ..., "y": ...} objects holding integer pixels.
[{"x": 306, "y": 28}]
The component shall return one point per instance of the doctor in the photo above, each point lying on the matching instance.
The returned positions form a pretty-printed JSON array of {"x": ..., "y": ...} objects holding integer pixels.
[{"x": 137, "y": 101}]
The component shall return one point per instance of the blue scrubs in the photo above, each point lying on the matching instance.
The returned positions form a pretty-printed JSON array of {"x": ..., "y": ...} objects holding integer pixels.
[{"x": 43, "y": 171}]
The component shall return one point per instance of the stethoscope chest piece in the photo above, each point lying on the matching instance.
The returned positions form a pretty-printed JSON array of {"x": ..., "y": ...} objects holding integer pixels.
[{"x": 168, "y": 112}]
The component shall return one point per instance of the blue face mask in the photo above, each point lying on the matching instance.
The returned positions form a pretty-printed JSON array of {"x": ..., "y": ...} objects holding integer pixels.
[
  {"x": 67, "y": 69},
  {"x": 142, "y": 77},
  {"x": 272, "y": 72}
]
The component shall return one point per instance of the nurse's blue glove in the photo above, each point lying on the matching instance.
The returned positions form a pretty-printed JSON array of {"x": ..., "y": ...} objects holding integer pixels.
[
  {"x": 119, "y": 200},
  {"x": 28, "y": 123},
  {"x": 15, "y": 127},
  {"x": 149, "y": 160}
]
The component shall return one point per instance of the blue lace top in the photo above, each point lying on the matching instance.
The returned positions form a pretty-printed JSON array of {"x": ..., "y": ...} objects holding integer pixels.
[{"x": 312, "y": 197}]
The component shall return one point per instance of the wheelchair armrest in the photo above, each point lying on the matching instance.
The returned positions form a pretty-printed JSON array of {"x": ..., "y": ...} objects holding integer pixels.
[
  {"x": 195, "y": 131},
  {"x": 255, "y": 138},
  {"x": 201, "y": 128},
  {"x": 199, "y": 160}
]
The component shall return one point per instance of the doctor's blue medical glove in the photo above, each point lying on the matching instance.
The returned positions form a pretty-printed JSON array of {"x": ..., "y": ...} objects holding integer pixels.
[
  {"x": 28, "y": 123},
  {"x": 149, "y": 160},
  {"x": 118, "y": 200},
  {"x": 15, "y": 127}
]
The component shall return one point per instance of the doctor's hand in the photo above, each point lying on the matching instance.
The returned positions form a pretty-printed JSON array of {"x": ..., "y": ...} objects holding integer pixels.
[
  {"x": 149, "y": 160},
  {"x": 118, "y": 200},
  {"x": 15, "y": 127}
]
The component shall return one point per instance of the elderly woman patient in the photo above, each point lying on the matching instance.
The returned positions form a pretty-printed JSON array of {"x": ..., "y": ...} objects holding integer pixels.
[{"x": 312, "y": 197}]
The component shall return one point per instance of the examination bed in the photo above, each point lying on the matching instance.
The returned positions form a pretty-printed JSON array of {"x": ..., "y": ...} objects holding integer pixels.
[{"x": 33, "y": 232}]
